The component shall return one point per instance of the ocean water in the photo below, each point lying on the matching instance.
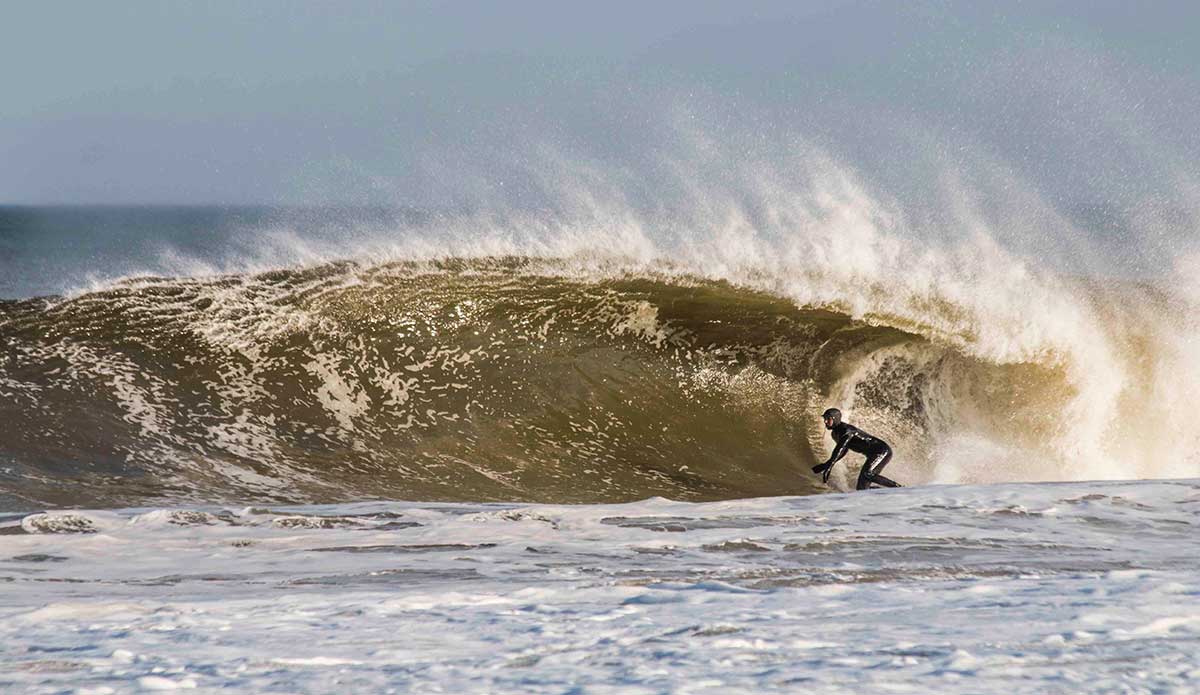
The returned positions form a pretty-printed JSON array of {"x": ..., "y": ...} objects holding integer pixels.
[{"x": 568, "y": 450}]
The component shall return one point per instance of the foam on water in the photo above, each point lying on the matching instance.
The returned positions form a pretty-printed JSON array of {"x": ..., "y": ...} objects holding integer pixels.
[{"x": 972, "y": 589}]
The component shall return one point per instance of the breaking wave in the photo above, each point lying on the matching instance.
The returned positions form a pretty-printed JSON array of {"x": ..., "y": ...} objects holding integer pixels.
[{"x": 513, "y": 378}]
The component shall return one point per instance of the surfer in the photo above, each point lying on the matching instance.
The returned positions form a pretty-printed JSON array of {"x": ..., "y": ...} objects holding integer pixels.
[{"x": 850, "y": 438}]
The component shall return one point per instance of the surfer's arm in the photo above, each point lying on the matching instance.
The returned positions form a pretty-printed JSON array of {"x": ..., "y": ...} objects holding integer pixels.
[{"x": 838, "y": 452}]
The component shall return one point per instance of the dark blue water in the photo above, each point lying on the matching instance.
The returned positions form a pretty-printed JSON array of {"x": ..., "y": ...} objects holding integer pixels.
[{"x": 52, "y": 250}]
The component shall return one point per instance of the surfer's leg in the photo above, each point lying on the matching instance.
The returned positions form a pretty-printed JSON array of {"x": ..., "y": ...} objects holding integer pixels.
[
  {"x": 870, "y": 472},
  {"x": 864, "y": 474}
]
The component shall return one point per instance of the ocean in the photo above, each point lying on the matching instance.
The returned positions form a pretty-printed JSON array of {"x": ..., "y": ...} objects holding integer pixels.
[{"x": 396, "y": 449}]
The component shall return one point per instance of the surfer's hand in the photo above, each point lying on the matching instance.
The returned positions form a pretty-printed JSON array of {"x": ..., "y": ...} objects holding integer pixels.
[{"x": 824, "y": 469}]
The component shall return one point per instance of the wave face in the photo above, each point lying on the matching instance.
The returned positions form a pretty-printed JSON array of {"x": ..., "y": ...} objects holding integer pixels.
[{"x": 490, "y": 379}]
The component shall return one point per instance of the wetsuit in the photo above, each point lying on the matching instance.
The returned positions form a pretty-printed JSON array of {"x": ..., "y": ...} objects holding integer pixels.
[{"x": 877, "y": 452}]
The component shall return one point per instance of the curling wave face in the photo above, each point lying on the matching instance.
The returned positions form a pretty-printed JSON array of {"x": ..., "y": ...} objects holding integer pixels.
[{"x": 489, "y": 379}]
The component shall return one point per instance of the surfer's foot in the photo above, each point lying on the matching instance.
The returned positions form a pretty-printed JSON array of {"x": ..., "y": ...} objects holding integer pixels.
[{"x": 881, "y": 481}]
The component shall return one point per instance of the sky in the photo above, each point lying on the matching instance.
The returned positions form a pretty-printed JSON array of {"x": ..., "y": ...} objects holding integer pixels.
[{"x": 441, "y": 104}]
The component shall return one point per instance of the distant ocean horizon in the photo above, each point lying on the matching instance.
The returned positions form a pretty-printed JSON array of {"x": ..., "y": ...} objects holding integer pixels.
[{"x": 51, "y": 249}]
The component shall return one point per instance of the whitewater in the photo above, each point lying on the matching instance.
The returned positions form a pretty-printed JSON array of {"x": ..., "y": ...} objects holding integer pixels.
[{"x": 1033, "y": 587}]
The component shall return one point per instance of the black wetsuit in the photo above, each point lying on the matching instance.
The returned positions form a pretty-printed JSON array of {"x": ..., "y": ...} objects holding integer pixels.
[{"x": 877, "y": 451}]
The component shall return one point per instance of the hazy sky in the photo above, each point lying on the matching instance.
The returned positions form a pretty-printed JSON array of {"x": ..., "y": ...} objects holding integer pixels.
[{"x": 417, "y": 103}]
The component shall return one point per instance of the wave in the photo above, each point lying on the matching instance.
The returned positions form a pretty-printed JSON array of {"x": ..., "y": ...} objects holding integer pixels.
[{"x": 508, "y": 378}]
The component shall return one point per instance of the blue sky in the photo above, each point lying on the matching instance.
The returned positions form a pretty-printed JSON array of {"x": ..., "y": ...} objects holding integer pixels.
[{"x": 421, "y": 103}]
